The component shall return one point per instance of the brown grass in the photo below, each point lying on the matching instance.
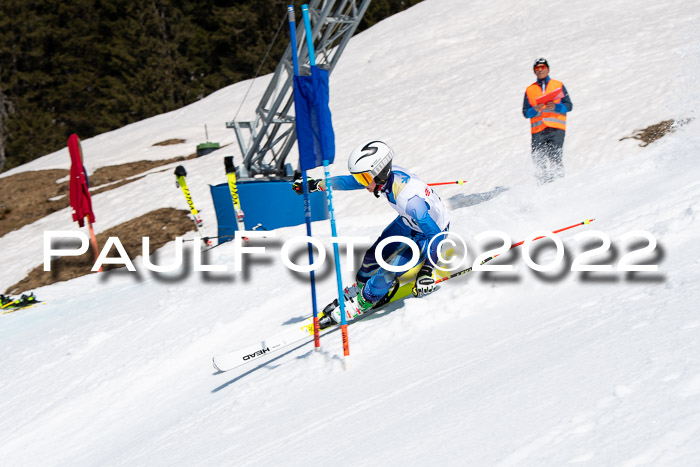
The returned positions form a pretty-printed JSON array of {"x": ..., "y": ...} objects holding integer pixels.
[
  {"x": 26, "y": 196},
  {"x": 653, "y": 132},
  {"x": 162, "y": 226},
  {"x": 169, "y": 142}
]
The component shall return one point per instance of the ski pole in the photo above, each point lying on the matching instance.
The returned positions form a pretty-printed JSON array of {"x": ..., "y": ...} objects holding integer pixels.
[
  {"x": 180, "y": 174},
  {"x": 233, "y": 189},
  {"x": 456, "y": 182},
  {"x": 469, "y": 269},
  {"x": 259, "y": 226}
]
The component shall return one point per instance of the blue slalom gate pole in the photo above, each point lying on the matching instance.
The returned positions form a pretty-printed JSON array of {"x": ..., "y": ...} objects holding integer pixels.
[
  {"x": 305, "y": 183},
  {"x": 309, "y": 37},
  {"x": 329, "y": 195},
  {"x": 293, "y": 38}
]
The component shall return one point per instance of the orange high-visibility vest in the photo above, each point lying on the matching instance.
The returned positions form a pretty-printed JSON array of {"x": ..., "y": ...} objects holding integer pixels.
[{"x": 545, "y": 118}]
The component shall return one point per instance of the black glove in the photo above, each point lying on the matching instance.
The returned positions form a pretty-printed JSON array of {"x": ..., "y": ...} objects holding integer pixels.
[{"x": 314, "y": 185}]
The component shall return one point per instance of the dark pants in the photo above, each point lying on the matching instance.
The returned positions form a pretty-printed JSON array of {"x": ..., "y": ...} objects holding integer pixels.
[{"x": 547, "y": 154}]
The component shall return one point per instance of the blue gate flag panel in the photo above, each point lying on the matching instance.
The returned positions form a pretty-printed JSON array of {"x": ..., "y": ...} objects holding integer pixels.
[{"x": 314, "y": 128}]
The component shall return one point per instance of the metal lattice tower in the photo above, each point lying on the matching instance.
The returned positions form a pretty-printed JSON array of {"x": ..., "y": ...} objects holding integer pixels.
[{"x": 266, "y": 141}]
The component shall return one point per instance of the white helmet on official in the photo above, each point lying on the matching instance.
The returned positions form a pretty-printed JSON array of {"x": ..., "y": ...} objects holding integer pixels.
[{"x": 371, "y": 161}]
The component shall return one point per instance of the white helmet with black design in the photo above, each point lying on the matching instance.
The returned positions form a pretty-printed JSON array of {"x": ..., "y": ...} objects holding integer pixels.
[{"x": 371, "y": 161}]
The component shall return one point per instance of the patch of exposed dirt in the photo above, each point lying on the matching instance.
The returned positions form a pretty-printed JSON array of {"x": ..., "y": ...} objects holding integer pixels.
[
  {"x": 161, "y": 226},
  {"x": 653, "y": 132},
  {"x": 169, "y": 142},
  {"x": 120, "y": 173},
  {"x": 114, "y": 173},
  {"x": 27, "y": 195}
]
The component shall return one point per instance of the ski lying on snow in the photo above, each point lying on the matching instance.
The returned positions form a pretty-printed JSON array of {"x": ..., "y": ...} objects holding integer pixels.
[
  {"x": 231, "y": 360},
  {"x": 236, "y": 358},
  {"x": 24, "y": 302},
  {"x": 12, "y": 310}
]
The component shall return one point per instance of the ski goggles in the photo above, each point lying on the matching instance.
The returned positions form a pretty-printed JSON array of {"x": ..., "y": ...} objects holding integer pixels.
[
  {"x": 540, "y": 67},
  {"x": 365, "y": 179}
]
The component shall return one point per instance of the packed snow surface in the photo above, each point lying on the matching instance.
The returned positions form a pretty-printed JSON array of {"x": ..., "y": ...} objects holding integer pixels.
[{"x": 497, "y": 368}]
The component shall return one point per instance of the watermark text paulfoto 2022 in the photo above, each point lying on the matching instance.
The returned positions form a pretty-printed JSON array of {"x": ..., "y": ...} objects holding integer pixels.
[{"x": 447, "y": 241}]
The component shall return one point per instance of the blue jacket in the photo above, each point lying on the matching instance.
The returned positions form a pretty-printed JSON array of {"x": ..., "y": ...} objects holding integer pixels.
[{"x": 416, "y": 212}]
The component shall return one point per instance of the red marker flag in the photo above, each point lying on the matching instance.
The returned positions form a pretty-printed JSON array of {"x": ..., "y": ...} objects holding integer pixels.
[
  {"x": 80, "y": 199},
  {"x": 79, "y": 193}
]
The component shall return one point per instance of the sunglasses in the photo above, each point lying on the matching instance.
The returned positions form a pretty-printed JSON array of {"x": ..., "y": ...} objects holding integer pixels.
[
  {"x": 365, "y": 179},
  {"x": 540, "y": 67}
]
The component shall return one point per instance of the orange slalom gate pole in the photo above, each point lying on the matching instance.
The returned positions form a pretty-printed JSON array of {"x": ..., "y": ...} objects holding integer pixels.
[
  {"x": 93, "y": 241},
  {"x": 346, "y": 343}
]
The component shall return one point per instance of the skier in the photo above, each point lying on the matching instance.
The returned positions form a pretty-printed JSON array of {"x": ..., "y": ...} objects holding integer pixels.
[{"x": 421, "y": 216}]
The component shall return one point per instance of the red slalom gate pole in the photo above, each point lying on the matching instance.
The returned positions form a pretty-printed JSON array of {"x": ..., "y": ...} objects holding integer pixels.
[
  {"x": 456, "y": 182},
  {"x": 469, "y": 269}
]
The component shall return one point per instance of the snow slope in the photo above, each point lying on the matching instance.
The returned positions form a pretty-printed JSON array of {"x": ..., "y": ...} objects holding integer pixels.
[{"x": 520, "y": 368}]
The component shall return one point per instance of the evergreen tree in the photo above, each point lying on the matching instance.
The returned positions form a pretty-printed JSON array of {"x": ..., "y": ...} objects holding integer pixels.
[
  {"x": 5, "y": 110},
  {"x": 91, "y": 66}
]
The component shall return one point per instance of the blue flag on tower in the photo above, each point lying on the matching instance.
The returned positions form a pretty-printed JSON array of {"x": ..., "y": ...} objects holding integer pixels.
[{"x": 314, "y": 128}]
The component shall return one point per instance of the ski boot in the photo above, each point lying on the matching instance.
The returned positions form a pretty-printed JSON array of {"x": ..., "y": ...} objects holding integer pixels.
[
  {"x": 331, "y": 313},
  {"x": 5, "y": 300},
  {"x": 25, "y": 301},
  {"x": 355, "y": 304},
  {"x": 363, "y": 304}
]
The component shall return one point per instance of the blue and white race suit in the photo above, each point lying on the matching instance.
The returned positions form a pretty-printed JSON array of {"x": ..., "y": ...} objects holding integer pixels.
[{"x": 421, "y": 216}]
